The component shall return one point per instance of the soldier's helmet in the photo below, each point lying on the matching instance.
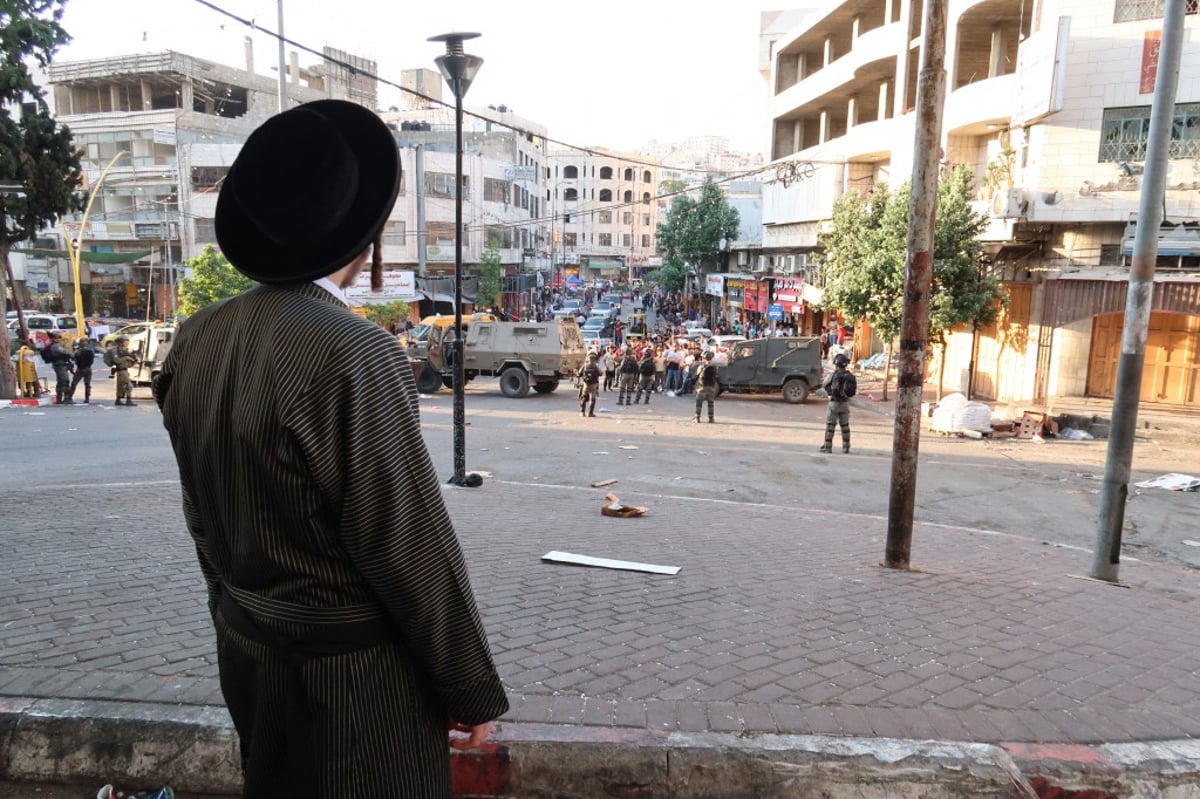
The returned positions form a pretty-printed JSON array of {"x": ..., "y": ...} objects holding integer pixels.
[
  {"x": 55, "y": 334},
  {"x": 841, "y": 360},
  {"x": 122, "y": 339}
]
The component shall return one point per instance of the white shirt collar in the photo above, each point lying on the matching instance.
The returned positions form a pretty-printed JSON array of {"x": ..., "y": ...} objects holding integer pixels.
[{"x": 333, "y": 288}]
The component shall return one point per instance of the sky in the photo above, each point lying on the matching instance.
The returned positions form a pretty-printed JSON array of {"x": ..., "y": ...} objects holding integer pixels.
[{"x": 615, "y": 74}]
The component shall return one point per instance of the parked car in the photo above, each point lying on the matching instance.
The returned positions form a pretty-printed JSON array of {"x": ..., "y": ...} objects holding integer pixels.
[
  {"x": 40, "y": 326},
  {"x": 606, "y": 308},
  {"x": 596, "y": 327},
  {"x": 569, "y": 309},
  {"x": 615, "y": 298},
  {"x": 721, "y": 345},
  {"x": 128, "y": 330}
]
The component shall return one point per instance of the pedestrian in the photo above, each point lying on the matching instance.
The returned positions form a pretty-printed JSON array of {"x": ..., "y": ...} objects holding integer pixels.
[
  {"x": 645, "y": 376},
  {"x": 122, "y": 361},
  {"x": 824, "y": 341},
  {"x": 627, "y": 375},
  {"x": 590, "y": 385},
  {"x": 840, "y": 386},
  {"x": 27, "y": 376},
  {"x": 63, "y": 364},
  {"x": 348, "y": 637},
  {"x": 706, "y": 386},
  {"x": 610, "y": 366},
  {"x": 84, "y": 357}
]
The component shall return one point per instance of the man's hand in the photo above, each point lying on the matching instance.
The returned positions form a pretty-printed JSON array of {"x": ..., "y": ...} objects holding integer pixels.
[{"x": 475, "y": 735}]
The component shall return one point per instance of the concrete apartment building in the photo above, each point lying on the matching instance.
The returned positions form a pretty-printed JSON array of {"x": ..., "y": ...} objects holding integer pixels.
[
  {"x": 181, "y": 121},
  {"x": 1049, "y": 103},
  {"x": 604, "y": 210}
]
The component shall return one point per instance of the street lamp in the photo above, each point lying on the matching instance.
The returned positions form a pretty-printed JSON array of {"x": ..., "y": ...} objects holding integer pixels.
[{"x": 459, "y": 69}]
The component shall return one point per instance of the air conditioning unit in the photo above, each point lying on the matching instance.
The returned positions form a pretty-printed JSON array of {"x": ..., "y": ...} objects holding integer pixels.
[
  {"x": 1009, "y": 204},
  {"x": 743, "y": 258},
  {"x": 760, "y": 265},
  {"x": 787, "y": 265}
]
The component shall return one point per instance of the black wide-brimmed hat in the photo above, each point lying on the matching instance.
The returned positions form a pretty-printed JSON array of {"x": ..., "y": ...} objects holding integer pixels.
[{"x": 310, "y": 189}]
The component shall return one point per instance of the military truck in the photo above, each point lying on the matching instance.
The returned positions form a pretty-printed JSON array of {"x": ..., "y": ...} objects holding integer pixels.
[
  {"x": 150, "y": 346},
  {"x": 790, "y": 365},
  {"x": 523, "y": 355}
]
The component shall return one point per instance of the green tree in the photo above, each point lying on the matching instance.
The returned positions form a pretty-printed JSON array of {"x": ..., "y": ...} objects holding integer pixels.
[
  {"x": 38, "y": 158},
  {"x": 387, "y": 314},
  {"x": 692, "y": 232},
  {"x": 213, "y": 278},
  {"x": 490, "y": 272},
  {"x": 864, "y": 262},
  {"x": 670, "y": 276}
]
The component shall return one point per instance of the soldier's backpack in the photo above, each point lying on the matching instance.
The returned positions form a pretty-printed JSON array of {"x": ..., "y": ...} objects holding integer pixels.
[
  {"x": 110, "y": 356},
  {"x": 844, "y": 386},
  {"x": 47, "y": 355}
]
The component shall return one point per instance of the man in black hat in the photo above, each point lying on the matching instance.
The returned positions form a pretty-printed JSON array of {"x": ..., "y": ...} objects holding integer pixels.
[{"x": 347, "y": 633}]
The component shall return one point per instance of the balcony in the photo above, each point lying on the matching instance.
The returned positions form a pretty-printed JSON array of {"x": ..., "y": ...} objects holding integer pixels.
[
  {"x": 871, "y": 60},
  {"x": 971, "y": 109}
]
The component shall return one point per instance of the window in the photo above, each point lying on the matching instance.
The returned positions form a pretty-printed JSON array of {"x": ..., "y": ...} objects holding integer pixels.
[
  {"x": 440, "y": 234},
  {"x": 626, "y": 239},
  {"x": 393, "y": 234},
  {"x": 605, "y": 240},
  {"x": 570, "y": 195},
  {"x": 646, "y": 176},
  {"x": 646, "y": 219},
  {"x": 499, "y": 236},
  {"x": 628, "y": 196},
  {"x": 645, "y": 241},
  {"x": 627, "y": 218},
  {"x": 605, "y": 217},
  {"x": 1125, "y": 131},
  {"x": 494, "y": 190},
  {"x": 606, "y": 195},
  {"x": 569, "y": 239},
  {"x": 606, "y": 173},
  {"x": 629, "y": 175},
  {"x": 441, "y": 184},
  {"x": 206, "y": 178},
  {"x": 1130, "y": 10},
  {"x": 570, "y": 172},
  {"x": 206, "y": 233},
  {"x": 646, "y": 197}
]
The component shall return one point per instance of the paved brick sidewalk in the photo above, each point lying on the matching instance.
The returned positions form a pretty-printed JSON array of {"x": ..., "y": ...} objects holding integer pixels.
[{"x": 778, "y": 622}]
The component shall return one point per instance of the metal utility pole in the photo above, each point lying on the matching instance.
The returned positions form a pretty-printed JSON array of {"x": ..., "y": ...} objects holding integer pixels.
[
  {"x": 283, "y": 76},
  {"x": 419, "y": 170},
  {"x": 1107, "y": 555},
  {"x": 914, "y": 324}
]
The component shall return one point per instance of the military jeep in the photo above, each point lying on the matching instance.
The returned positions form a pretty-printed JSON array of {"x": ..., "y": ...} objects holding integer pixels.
[
  {"x": 523, "y": 355},
  {"x": 790, "y": 365}
]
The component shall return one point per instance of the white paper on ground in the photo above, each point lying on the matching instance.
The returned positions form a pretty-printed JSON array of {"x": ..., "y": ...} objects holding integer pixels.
[{"x": 608, "y": 563}]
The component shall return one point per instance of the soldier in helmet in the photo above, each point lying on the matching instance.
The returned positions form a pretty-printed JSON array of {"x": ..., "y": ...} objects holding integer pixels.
[
  {"x": 84, "y": 358},
  {"x": 123, "y": 360},
  {"x": 590, "y": 385},
  {"x": 706, "y": 386},
  {"x": 627, "y": 375},
  {"x": 840, "y": 386},
  {"x": 64, "y": 366}
]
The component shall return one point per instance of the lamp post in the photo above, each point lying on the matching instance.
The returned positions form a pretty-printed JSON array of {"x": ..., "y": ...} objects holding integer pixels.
[
  {"x": 459, "y": 69},
  {"x": 74, "y": 246}
]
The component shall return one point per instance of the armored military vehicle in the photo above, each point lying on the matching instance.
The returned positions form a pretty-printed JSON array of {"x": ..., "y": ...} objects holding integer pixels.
[
  {"x": 523, "y": 355},
  {"x": 150, "y": 346},
  {"x": 790, "y": 365}
]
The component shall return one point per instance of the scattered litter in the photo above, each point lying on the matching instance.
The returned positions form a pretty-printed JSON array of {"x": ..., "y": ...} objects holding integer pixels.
[
  {"x": 1172, "y": 482},
  {"x": 599, "y": 452},
  {"x": 607, "y": 563},
  {"x": 876, "y": 361},
  {"x": 482, "y": 473},
  {"x": 603, "y": 410},
  {"x": 108, "y": 792},
  {"x": 1191, "y": 543},
  {"x": 1037, "y": 439},
  {"x": 612, "y": 507},
  {"x": 483, "y": 449},
  {"x": 626, "y": 446},
  {"x": 1075, "y": 434},
  {"x": 971, "y": 434},
  {"x": 602, "y": 483}
]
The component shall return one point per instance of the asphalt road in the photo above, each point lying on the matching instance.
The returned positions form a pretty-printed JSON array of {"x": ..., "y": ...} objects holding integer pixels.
[{"x": 761, "y": 450}]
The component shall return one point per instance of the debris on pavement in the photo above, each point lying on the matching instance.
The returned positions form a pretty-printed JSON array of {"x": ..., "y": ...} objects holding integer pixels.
[
  {"x": 1172, "y": 482},
  {"x": 956, "y": 414},
  {"x": 606, "y": 482},
  {"x": 608, "y": 563},
  {"x": 612, "y": 507}
]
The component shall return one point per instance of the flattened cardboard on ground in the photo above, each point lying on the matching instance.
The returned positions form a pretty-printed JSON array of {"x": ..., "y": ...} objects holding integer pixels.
[
  {"x": 612, "y": 507},
  {"x": 608, "y": 563},
  {"x": 605, "y": 482}
]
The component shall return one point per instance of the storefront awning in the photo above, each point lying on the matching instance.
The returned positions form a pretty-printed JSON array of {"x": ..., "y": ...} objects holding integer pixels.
[
  {"x": 606, "y": 265},
  {"x": 87, "y": 255}
]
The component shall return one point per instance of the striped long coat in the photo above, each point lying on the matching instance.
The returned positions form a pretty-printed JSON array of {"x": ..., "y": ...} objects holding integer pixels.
[{"x": 314, "y": 507}]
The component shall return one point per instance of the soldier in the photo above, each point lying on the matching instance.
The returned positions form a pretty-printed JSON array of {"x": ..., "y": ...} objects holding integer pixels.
[
  {"x": 60, "y": 358},
  {"x": 645, "y": 376},
  {"x": 706, "y": 386},
  {"x": 840, "y": 386},
  {"x": 627, "y": 375},
  {"x": 590, "y": 385},
  {"x": 123, "y": 359},
  {"x": 84, "y": 358}
]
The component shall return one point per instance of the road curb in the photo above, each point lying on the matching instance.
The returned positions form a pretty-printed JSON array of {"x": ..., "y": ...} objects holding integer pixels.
[{"x": 137, "y": 744}]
